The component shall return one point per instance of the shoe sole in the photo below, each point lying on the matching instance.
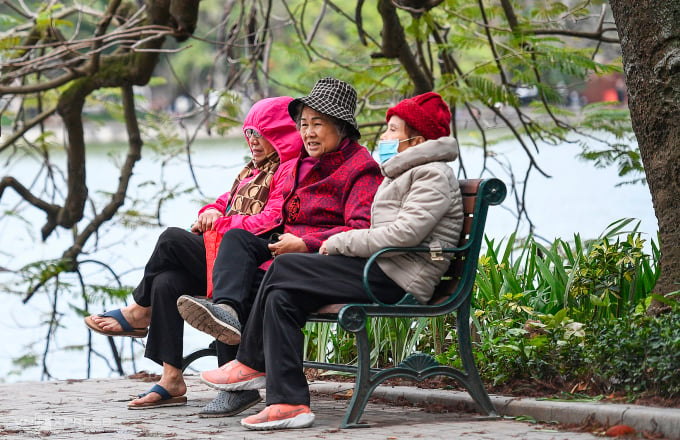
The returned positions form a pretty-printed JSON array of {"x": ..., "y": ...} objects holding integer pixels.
[
  {"x": 201, "y": 318},
  {"x": 304, "y": 420},
  {"x": 232, "y": 412},
  {"x": 257, "y": 383}
]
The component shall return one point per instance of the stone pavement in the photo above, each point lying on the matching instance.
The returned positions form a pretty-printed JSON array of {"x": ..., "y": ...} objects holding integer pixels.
[{"x": 96, "y": 408}]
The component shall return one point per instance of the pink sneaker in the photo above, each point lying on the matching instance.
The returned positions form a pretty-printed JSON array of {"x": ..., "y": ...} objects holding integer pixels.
[
  {"x": 234, "y": 376},
  {"x": 280, "y": 416}
]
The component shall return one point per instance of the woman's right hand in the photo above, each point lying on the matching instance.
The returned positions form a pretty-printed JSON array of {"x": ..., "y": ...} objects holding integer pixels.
[
  {"x": 206, "y": 220},
  {"x": 287, "y": 243}
]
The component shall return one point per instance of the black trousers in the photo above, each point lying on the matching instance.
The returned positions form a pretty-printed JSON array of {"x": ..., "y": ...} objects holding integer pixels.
[
  {"x": 176, "y": 267},
  {"x": 295, "y": 285},
  {"x": 236, "y": 274}
]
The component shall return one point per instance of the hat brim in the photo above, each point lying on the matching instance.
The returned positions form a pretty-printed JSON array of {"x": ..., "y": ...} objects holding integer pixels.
[{"x": 295, "y": 108}]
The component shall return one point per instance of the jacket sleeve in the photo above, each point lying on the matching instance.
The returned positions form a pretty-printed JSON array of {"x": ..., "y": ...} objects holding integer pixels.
[
  {"x": 357, "y": 209},
  {"x": 268, "y": 218},
  {"x": 220, "y": 204},
  {"x": 423, "y": 206}
]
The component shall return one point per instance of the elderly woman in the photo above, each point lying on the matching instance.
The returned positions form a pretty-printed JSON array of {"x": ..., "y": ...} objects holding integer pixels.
[
  {"x": 329, "y": 190},
  {"x": 418, "y": 204},
  {"x": 178, "y": 263}
]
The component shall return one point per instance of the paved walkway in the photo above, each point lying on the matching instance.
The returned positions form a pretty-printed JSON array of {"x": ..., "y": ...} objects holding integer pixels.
[{"x": 97, "y": 407}]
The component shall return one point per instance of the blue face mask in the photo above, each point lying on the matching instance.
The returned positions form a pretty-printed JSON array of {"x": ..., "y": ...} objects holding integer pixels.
[{"x": 387, "y": 149}]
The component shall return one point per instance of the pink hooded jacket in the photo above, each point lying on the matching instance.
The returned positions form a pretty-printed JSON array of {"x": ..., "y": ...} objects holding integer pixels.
[{"x": 270, "y": 118}]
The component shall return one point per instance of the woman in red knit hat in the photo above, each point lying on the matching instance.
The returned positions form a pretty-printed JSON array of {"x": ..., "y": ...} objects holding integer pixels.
[{"x": 418, "y": 204}]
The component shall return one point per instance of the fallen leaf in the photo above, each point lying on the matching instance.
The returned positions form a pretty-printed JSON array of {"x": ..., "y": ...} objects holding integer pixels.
[{"x": 619, "y": 430}]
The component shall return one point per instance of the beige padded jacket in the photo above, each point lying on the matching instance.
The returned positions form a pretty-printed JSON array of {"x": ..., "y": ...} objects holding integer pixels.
[{"x": 417, "y": 204}]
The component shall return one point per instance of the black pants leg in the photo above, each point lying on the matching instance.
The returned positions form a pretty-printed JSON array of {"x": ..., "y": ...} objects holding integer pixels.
[
  {"x": 226, "y": 353},
  {"x": 176, "y": 267},
  {"x": 236, "y": 269},
  {"x": 295, "y": 285}
]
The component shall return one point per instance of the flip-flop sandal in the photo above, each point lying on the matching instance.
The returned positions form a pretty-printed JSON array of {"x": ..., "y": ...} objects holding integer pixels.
[
  {"x": 166, "y": 399},
  {"x": 127, "y": 329}
]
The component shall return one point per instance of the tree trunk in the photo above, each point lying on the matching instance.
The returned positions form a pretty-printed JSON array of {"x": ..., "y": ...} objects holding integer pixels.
[{"x": 649, "y": 31}]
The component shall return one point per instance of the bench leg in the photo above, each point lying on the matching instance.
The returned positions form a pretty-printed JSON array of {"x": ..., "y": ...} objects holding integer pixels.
[
  {"x": 473, "y": 382},
  {"x": 363, "y": 387}
]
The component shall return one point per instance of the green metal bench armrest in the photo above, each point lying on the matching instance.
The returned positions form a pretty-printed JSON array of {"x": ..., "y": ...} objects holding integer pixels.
[
  {"x": 373, "y": 258},
  {"x": 490, "y": 192}
]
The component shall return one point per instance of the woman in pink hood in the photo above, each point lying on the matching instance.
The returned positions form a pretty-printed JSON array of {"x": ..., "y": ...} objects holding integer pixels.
[{"x": 178, "y": 264}]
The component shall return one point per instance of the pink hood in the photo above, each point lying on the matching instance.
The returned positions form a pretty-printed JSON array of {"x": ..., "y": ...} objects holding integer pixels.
[{"x": 270, "y": 117}]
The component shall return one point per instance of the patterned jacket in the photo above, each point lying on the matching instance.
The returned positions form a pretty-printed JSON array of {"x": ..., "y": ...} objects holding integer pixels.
[{"x": 334, "y": 196}]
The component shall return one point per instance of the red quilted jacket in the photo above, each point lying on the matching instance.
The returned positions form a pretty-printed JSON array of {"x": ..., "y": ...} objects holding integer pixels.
[{"x": 335, "y": 195}]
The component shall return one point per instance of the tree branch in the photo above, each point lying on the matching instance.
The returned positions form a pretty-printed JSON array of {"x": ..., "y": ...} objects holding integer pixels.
[
  {"x": 394, "y": 45},
  {"x": 509, "y": 12},
  {"x": 10, "y": 182},
  {"x": 597, "y": 36},
  {"x": 317, "y": 23},
  {"x": 358, "y": 18},
  {"x": 492, "y": 43},
  {"x": 26, "y": 126},
  {"x": 118, "y": 198}
]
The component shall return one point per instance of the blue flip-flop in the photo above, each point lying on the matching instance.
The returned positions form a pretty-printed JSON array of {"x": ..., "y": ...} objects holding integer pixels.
[
  {"x": 166, "y": 399},
  {"x": 127, "y": 329}
]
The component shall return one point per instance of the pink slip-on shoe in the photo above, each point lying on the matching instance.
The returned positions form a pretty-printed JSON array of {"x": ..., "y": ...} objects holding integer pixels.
[
  {"x": 234, "y": 376},
  {"x": 280, "y": 416}
]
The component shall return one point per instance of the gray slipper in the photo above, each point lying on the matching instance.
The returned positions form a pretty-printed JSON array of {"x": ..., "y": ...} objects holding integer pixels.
[{"x": 230, "y": 403}]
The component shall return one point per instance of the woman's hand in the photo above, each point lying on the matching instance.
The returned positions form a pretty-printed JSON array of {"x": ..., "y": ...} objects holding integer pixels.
[
  {"x": 206, "y": 220},
  {"x": 287, "y": 243},
  {"x": 322, "y": 249}
]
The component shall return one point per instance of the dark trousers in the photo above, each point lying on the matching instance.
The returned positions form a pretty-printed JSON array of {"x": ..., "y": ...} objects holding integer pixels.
[
  {"x": 295, "y": 285},
  {"x": 176, "y": 267},
  {"x": 236, "y": 275},
  {"x": 226, "y": 353}
]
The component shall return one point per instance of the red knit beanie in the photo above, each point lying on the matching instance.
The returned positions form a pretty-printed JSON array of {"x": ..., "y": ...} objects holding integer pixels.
[{"x": 426, "y": 113}]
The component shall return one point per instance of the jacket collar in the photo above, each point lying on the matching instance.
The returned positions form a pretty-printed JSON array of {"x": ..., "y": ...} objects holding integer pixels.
[{"x": 444, "y": 149}]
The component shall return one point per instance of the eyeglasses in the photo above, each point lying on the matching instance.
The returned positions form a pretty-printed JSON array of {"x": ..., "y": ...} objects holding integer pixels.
[{"x": 252, "y": 133}]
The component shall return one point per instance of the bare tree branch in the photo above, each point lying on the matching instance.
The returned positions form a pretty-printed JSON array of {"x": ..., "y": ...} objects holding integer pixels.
[
  {"x": 118, "y": 198},
  {"x": 317, "y": 23},
  {"x": 394, "y": 45},
  {"x": 25, "y": 128},
  {"x": 10, "y": 182}
]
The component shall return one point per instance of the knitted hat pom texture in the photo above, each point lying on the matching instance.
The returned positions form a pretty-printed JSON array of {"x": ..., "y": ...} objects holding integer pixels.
[{"x": 427, "y": 113}]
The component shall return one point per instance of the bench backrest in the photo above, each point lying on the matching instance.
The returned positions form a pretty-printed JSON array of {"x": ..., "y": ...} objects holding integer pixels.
[{"x": 478, "y": 195}]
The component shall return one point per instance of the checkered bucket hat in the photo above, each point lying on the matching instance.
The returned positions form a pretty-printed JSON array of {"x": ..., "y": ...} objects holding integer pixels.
[{"x": 331, "y": 97}]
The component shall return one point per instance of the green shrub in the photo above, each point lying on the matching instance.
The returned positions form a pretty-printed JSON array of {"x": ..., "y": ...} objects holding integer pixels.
[
  {"x": 538, "y": 309},
  {"x": 639, "y": 354}
]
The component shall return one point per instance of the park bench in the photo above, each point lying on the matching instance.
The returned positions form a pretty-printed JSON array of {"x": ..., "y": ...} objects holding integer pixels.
[{"x": 453, "y": 294}]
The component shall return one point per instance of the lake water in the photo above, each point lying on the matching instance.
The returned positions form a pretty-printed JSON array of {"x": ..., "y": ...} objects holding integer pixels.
[{"x": 578, "y": 198}]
